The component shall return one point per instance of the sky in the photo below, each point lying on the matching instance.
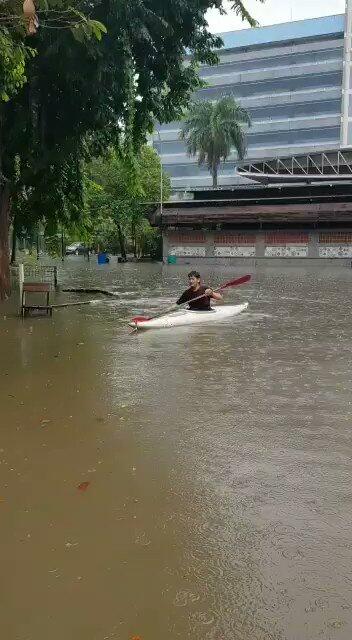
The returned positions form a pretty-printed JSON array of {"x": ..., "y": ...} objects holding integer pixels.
[{"x": 274, "y": 11}]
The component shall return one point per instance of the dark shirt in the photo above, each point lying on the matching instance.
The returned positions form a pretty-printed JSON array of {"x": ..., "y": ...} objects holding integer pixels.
[{"x": 200, "y": 305}]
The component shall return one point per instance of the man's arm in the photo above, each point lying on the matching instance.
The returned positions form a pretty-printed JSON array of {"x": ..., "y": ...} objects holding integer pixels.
[
  {"x": 183, "y": 298},
  {"x": 215, "y": 295}
]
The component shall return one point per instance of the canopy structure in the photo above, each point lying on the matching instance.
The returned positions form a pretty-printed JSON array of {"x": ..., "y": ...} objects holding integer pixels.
[{"x": 323, "y": 167}]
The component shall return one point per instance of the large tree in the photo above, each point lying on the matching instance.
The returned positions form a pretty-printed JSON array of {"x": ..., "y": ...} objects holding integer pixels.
[
  {"x": 23, "y": 128},
  {"x": 75, "y": 93},
  {"x": 212, "y": 130}
]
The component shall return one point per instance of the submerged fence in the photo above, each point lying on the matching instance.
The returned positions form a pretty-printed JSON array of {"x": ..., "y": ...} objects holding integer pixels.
[{"x": 21, "y": 273}]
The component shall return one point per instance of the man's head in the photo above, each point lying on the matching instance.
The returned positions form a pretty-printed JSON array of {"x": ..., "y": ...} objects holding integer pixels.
[{"x": 194, "y": 279}]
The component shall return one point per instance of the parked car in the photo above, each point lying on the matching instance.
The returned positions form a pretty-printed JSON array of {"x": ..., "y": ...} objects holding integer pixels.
[{"x": 76, "y": 249}]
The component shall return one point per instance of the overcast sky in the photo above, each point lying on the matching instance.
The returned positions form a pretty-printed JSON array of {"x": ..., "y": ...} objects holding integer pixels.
[{"x": 274, "y": 11}]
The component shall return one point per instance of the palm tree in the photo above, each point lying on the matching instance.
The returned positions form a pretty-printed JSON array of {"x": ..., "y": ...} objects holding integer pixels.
[{"x": 212, "y": 129}]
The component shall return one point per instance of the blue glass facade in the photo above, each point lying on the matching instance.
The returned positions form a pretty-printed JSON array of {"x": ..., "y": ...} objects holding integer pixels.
[{"x": 289, "y": 77}]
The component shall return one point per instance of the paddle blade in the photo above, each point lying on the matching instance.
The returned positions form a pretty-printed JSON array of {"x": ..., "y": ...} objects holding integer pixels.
[
  {"x": 140, "y": 319},
  {"x": 235, "y": 283}
]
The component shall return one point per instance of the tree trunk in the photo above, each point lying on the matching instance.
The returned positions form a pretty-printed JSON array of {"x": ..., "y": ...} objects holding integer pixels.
[
  {"x": 4, "y": 242},
  {"x": 62, "y": 245},
  {"x": 37, "y": 243},
  {"x": 215, "y": 176},
  {"x": 14, "y": 241},
  {"x": 121, "y": 241},
  {"x": 134, "y": 239}
]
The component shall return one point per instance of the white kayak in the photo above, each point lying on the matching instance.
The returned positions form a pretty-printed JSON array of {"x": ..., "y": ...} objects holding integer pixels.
[{"x": 186, "y": 317}]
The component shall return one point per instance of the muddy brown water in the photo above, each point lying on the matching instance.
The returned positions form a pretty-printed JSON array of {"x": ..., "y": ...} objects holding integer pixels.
[{"x": 219, "y": 503}]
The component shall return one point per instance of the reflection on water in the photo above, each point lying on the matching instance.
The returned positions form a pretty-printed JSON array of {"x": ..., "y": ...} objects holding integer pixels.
[{"x": 217, "y": 463}]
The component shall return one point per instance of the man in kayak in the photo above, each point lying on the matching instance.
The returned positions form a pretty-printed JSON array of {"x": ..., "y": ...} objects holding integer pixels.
[{"x": 197, "y": 289}]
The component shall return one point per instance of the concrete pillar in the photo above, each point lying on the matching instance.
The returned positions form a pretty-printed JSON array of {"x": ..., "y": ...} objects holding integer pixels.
[
  {"x": 313, "y": 244},
  {"x": 260, "y": 245},
  {"x": 209, "y": 244}
]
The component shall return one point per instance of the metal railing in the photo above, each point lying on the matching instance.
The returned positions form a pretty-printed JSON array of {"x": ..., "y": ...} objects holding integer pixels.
[{"x": 35, "y": 273}]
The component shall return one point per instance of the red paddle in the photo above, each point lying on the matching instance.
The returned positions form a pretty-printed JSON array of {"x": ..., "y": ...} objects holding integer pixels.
[{"x": 226, "y": 285}]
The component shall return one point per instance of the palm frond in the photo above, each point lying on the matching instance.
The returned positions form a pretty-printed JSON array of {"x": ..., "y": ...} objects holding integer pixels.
[{"x": 240, "y": 10}]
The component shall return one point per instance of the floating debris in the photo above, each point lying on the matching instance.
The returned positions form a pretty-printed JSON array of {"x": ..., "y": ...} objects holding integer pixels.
[
  {"x": 83, "y": 486},
  {"x": 68, "y": 545},
  {"x": 105, "y": 292}
]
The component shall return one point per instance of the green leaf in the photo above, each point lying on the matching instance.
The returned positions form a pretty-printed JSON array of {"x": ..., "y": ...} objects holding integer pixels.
[{"x": 99, "y": 25}]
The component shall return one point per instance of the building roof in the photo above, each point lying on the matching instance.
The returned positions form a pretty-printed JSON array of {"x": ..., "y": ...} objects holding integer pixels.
[
  {"x": 297, "y": 203},
  {"x": 300, "y": 29}
]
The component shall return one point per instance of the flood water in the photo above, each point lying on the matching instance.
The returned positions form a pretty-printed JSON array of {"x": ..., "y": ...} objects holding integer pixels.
[{"x": 219, "y": 503}]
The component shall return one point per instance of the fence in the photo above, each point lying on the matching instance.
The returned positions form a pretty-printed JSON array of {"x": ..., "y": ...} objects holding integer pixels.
[{"x": 34, "y": 273}]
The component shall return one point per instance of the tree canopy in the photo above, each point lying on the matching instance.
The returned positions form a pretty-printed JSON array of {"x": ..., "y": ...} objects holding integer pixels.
[{"x": 71, "y": 90}]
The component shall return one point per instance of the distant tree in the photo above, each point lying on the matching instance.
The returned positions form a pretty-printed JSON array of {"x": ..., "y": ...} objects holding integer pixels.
[
  {"x": 212, "y": 130},
  {"x": 119, "y": 190}
]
